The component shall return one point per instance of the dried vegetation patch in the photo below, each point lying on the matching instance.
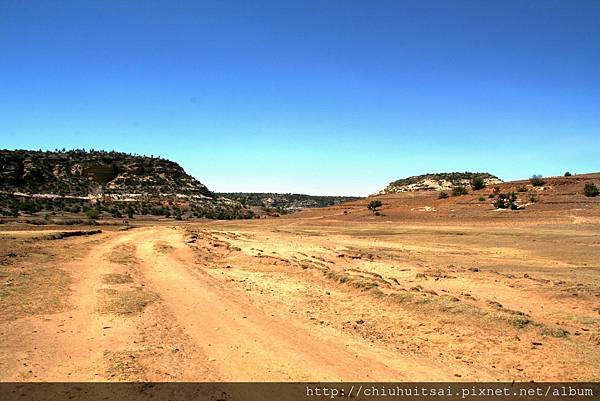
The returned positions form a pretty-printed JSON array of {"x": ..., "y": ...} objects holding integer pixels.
[
  {"x": 123, "y": 255},
  {"x": 30, "y": 283},
  {"x": 116, "y": 278},
  {"x": 124, "y": 302}
]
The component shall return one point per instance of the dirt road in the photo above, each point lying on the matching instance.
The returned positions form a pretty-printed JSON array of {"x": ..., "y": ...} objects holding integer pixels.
[
  {"x": 302, "y": 300},
  {"x": 142, "y": 308}
]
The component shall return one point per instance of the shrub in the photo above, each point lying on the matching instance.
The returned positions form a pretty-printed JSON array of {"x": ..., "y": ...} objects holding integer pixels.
[
  {"x": 536, "y": 180},
  {"x": 522, "y": 188},
  {"x": 458, "y": 191},
  {"x": 590, "y": 189},
  {"x": 506, "y": 201},
  {"x": 477, "y": 183},
  {"x": 533, "y": 197},
  {"x": 496, "y": 190},
  {"x": 481, "y": 199},
  {"x": 92, "y": 214},
  {"x": 568, "y": 174},
  {"x": 443, "y": 195},
  {"x": 374, "y": 205}
]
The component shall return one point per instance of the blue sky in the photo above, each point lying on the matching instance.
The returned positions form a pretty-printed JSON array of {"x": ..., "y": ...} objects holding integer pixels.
[{"x": 318, "y": 97}]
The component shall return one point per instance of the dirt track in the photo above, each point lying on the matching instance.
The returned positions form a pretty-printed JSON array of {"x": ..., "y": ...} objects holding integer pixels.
[
  {"x": 462, "y": 293},
  {"x": 197, "y": 330}
]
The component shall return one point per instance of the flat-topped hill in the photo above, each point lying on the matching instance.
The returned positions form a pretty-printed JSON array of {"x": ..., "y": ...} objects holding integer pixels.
[
  {"x": 437, "y": 182},
  {"x": 81, "y": 173}
]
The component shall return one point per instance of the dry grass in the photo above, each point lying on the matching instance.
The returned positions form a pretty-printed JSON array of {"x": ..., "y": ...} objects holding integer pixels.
[
  {"x": 124, "y": 366},
  {"x": 124, "y": 302},
  {"x": 32, "y": 290},
  {"x": 123, "y": 255},
  {"x": 116, "y": 278},
  {"x": 29, "y": 284},
  {"x": 163, "y": 247}
]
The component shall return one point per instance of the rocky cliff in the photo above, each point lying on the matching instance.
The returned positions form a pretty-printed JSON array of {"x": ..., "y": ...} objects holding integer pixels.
[{"x": 437, "y": 182}]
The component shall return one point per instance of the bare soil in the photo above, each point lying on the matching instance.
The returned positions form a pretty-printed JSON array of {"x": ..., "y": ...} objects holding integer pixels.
[{"x": 432, "y": 289}]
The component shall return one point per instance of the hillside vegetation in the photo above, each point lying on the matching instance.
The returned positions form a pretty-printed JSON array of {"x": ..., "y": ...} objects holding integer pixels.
[
  {"x": 114, "y": 184},
  {"x": 285, "y": 203},
  {"x": 81, "y": 173},
  {"x": 102, "y": 184}
]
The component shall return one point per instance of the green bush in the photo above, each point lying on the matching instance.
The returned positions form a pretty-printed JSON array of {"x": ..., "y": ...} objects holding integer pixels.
[
  {"x": 443, "y": 195},
  {"x": 92, "y": 214},
  {"x": 477, "y": 183},
  {"x": 458, "y": 191},
  {"x": 505, "y": 201},
  {"x": 374, "y": 205},
  {"x": 536, "y": 180},
  {"x": 568, "y": 174},
  {"x": 590, "y": 189}
]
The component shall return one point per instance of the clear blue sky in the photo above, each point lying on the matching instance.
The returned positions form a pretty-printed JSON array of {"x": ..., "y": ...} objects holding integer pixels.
[{"x": 318, "y": 97}]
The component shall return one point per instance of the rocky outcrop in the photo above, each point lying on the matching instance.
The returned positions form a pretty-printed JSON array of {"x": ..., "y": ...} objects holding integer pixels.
[{"x": 437, "y": 182}]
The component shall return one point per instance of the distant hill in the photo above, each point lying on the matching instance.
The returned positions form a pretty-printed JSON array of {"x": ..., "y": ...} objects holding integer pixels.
[
  {"x": 84, "y": 173},
  {"x": 286, "y": 202},
  {"x": 437, "y": 182},
  {"x": 110, "y": 182}
]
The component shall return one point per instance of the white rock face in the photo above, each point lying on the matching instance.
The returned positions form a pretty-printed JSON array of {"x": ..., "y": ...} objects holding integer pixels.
[{"x": 437, "y": 182}]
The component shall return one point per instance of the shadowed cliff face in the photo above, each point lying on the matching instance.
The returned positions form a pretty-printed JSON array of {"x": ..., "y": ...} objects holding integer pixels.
[{"x": 80, "y": 173}]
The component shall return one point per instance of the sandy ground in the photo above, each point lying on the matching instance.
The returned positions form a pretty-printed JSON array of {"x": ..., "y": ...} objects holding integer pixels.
[
  {"x": 199, "y": 327},
  {"x": 335, "y": 294}
]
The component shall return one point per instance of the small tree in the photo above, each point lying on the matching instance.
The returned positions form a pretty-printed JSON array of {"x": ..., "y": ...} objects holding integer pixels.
[
  {"x": 568, "y": 174},
  {"x": 374, "y": 205},
  {"x": 590, "y": 189},
  {"x": 477, "y": 183},
  {"x": 460, "y": 190},
  {"x": 92, "y": 213},
  {"x": 536, "y": 180}
]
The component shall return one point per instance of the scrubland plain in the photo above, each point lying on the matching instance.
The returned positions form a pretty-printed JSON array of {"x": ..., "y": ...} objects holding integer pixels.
[{"x": 430, "y": 289}]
